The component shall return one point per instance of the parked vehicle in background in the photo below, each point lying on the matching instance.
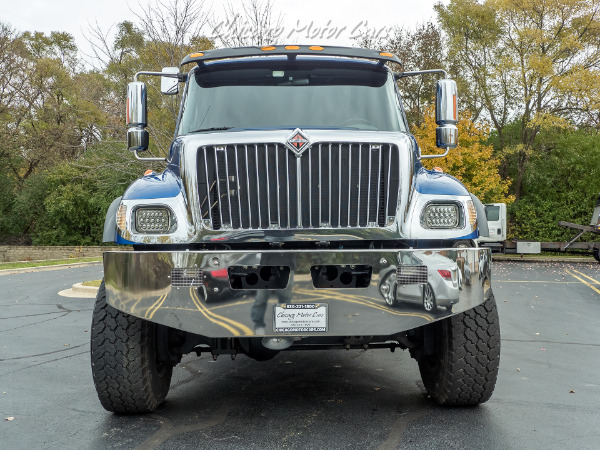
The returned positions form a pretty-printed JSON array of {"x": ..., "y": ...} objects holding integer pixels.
[
  {"x": 495, "y": 214},
  {"x": 497, "y": 237}
]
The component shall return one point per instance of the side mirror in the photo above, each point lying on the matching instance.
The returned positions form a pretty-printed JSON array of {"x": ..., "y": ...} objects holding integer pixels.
[
  {"x": 446, "y": 114},
  {"x": 169, "y": 85},
  {"x": 135, "y": 115},
  {"x": 137, "y": 139}
]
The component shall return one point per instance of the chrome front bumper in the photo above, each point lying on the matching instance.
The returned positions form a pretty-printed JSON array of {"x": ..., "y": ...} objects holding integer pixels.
[{"x": 177, "y": 289}]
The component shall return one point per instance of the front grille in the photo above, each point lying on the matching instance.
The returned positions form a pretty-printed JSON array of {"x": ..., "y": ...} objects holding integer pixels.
[
  {"x": 411, "y": 275},
  {"x": 330, "y": 185}
]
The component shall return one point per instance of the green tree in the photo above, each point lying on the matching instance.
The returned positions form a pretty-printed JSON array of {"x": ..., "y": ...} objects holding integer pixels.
[
  {"x": 66, "y": 204},
  {"x": 535, "y": 62},
  {"x": 560, "y": 184}
]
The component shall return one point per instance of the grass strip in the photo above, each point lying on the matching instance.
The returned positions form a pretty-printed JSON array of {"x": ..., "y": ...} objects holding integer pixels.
[{"x": 51, "y": 262}]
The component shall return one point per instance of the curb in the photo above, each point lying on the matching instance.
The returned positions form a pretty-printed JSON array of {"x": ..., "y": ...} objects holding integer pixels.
[
  {"x": 79, "y": 291},
  {"x": 79, "y": 288}
]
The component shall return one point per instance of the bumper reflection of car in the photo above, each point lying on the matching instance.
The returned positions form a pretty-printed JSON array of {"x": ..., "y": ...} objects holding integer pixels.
[
  {"x": 444, "y": 280},
  {"x": 141, "y": 284}
]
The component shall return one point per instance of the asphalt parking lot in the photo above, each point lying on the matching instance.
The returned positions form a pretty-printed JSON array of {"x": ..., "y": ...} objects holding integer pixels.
[{"x": 547, "y": 394}]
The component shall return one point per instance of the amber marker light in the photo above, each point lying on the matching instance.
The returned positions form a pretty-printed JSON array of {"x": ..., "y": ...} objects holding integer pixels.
[
  {"x": 196, "y": 55},
  {"x": 268, "y": 48},
  {"x": 389, "y": 55},
  {"x": 315, "y": 47},
  {"x": 148, "y": 172},
  {"x": 292, "y": 47},
  {"x": 122, "y": 217}
]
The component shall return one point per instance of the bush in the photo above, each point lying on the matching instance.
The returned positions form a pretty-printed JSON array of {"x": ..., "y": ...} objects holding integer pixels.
[{"x": 563, "y": 184}]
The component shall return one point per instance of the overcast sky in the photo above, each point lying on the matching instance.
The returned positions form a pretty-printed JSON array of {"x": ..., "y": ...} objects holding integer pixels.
[{"x": 330, "y": 22}]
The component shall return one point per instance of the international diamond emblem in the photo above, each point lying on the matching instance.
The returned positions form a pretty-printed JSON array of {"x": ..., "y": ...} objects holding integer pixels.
[{"x": 297, "y": 142}]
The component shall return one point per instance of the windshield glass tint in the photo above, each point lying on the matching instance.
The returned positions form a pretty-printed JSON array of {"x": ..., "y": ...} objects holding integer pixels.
[{"x": 281, "y": 94}]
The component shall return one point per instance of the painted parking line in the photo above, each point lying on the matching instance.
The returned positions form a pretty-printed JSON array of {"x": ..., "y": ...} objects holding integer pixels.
[
  {"x": 586, "y": 276},
  {"x": 582, "y": 280}
]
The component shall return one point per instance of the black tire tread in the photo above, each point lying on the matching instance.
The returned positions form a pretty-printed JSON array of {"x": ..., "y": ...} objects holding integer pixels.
[
  {"x": 123, "y": 357},
  {"x": 464, "y": 369}
]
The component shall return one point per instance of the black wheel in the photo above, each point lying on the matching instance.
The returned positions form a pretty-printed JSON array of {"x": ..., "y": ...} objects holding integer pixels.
[
  {"x": 127, "y": 375},
  {"x": 464, "y": 367},
  {"x": 596, "y": 254},
  {"x": 428, "y": 298},
  {"x": 387, "y": 287}
]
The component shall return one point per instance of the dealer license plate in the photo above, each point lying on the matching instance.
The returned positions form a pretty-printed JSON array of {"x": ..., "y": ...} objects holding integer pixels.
[{"x": 300, "y": 318}]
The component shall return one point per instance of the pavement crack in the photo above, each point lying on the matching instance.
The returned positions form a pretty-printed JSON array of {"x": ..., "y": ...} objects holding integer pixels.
[
  {"x": 167, "y": 430},
  {"x": 533, "y": 341},
  {"x": 30, "y": 315},
  {"x": 35, "y": 323},
  {"x": 44, "y": 362},
  {"x": 399, "y": 427},
  {"x": 43, "y": 354}
]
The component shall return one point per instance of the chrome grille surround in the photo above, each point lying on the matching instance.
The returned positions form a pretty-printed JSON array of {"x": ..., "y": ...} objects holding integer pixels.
[{"x": 267, "y": 186}]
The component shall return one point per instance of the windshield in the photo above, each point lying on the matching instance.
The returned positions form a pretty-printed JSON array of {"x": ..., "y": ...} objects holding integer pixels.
[{"x": 284, "y": 94}]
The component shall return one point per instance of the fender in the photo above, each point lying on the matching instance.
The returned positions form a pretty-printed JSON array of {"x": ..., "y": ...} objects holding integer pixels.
[
  {"x": 482, "y": 223},
  {"x": 110, "y": 222}
]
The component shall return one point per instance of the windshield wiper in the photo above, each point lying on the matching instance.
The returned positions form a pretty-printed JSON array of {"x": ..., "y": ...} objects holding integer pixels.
[{"x": 211, "y": 129}]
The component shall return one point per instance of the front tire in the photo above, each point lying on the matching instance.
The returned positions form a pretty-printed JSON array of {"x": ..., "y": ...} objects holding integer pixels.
[
  {"x": 464, "y": 367},
  {"x": 126, "y": 373}
]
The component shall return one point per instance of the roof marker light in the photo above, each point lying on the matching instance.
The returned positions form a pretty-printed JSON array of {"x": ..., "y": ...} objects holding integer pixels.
[
  {"x": 389, "y": 55},
  {"x": 315, "y": 47},
  {"x": 267, "y": 48},
  {"x": 195, "y": 55},
  {"x": 292, "y": 47}
]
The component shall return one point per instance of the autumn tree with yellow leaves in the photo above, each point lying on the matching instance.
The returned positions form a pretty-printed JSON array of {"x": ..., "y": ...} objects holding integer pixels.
[{"x": 472, "y": 162}]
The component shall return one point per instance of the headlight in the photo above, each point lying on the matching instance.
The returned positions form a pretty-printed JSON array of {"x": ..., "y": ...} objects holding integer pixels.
[
  {"x": 154, "y": 220},
  {"x": 441, "y": 215}
]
